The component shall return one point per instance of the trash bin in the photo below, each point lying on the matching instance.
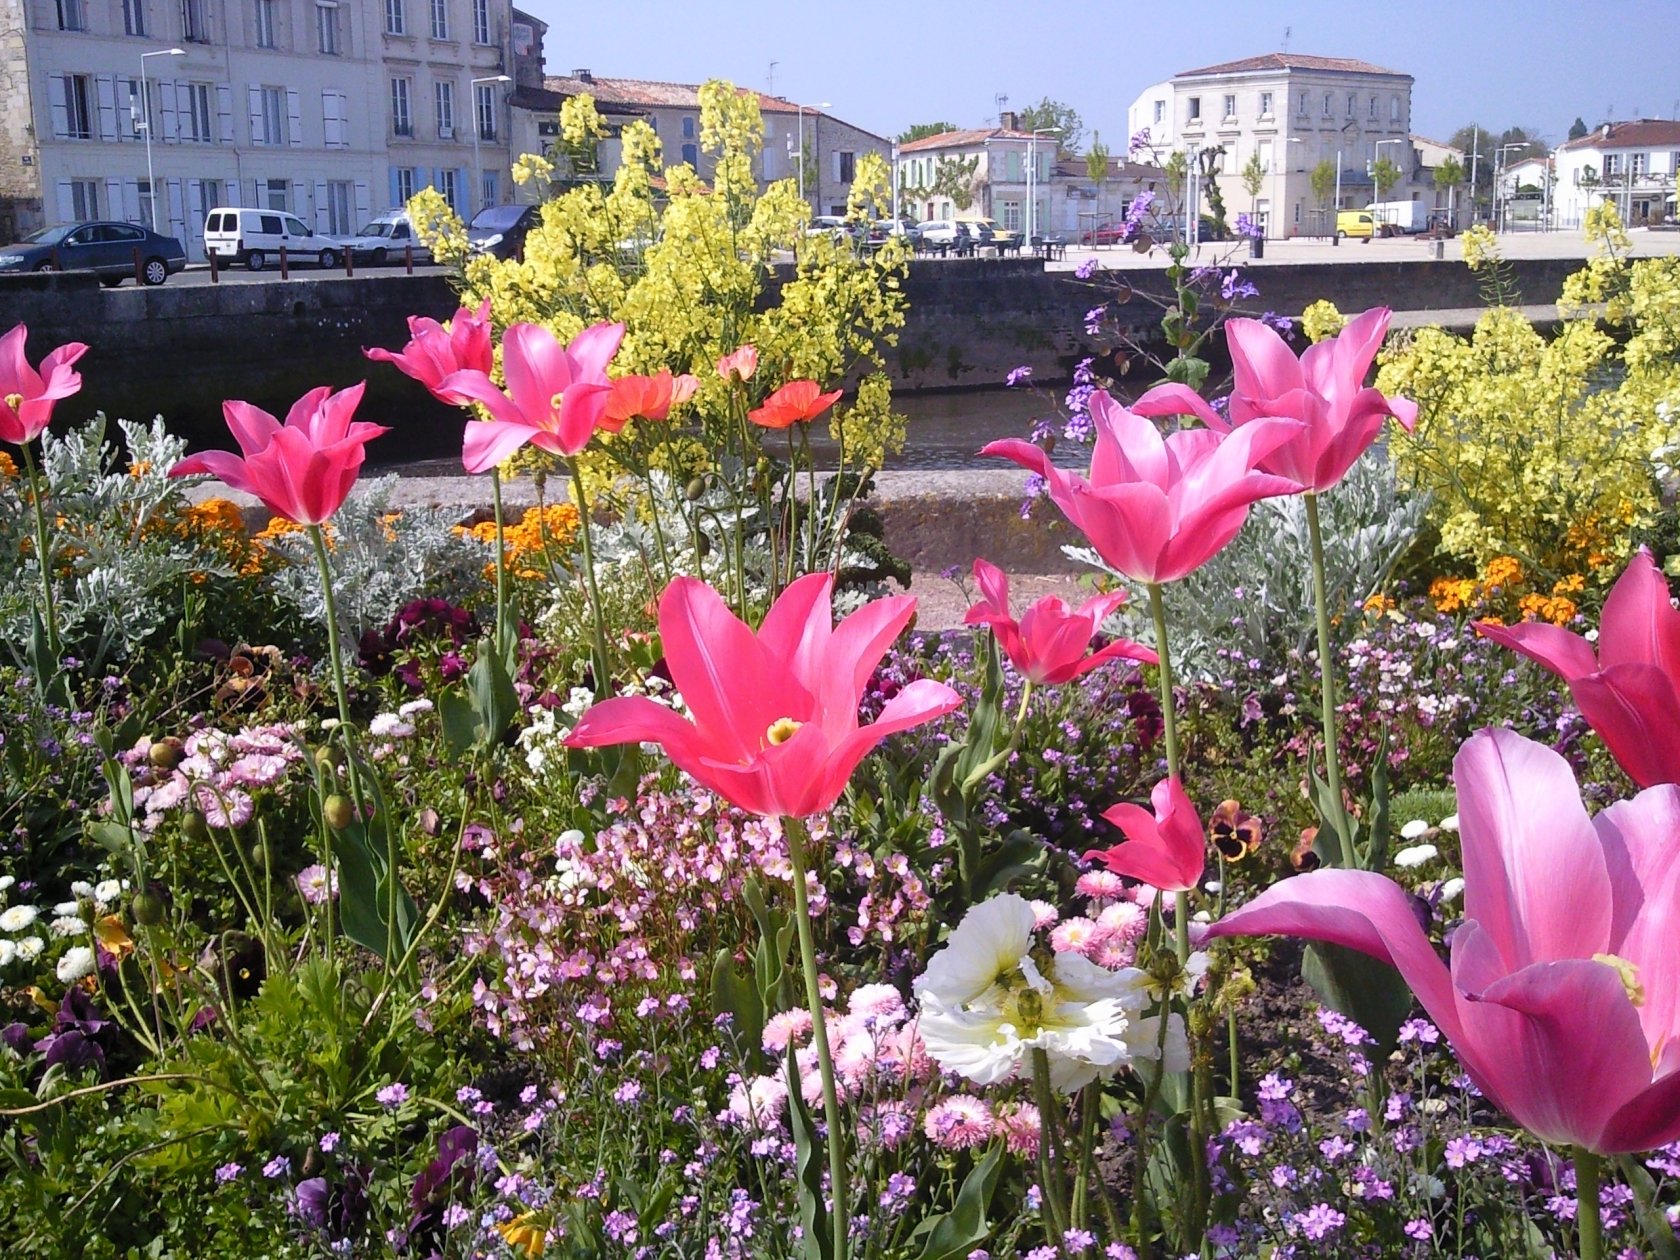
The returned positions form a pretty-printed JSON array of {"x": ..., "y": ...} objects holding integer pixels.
[{"x": 1257, "y": 247}]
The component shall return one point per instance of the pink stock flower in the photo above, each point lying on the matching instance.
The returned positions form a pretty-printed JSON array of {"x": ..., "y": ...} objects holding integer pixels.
[
  {"x": 1324, "y": 389},
  {"x": 435, "y": 352},
  {"x": 1562, "y": 998},
  {"x": 741, "y": 363},
  {"x": 27, "y": 396},
  {"x": 556, "y": 395},
  {"x": 775, "y": 727},
  {"x": 650, "y": 397},
  {"x": 1166, "y": 849},
  {"x": 1049, "y": 644},
  {"x": 1630, "y": 690},
  {"x": 302, "y": 470},
  {"x": 1155, "y": 509}
]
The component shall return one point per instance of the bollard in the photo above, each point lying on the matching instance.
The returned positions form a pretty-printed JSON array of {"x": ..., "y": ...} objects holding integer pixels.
[
  {"x": 139, "y": 274},
  {"x": 284, "y": 274},
  {"x": 1440, "y": 248},
  {"x": 1336, "y": 238},
  {"x": 408, "y": 257},
  {"x": 215, "y": 269},
  {"x": 349, "y": 262}
]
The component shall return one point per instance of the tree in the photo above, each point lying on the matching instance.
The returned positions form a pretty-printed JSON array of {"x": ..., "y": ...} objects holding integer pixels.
[
  {"x": 1323, "y": 181},
  {"x": 1448, "y": 176},
  {"x": 952, "y": 177},
  {"x": 921, "y": 131},
  {"x": 1053, "y": 115},
  {"x": 1208, "y": 160},
  {"x": 1474, "y": 139},
  {"x": 1384, "y": 176},
  {"x": 1253, "y": 179},
  {"x": 1578, "y": 128},
  {"x": 1096, "y": 160}
]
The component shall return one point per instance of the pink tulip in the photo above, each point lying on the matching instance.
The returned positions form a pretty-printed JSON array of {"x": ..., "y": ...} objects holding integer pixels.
[
  {"x": 1156, "y": 508},
  {"x": 27, "y": 396},
  {"x": 1324, "y": 388},
  {"x": 1166, "y": 849},
  {"x": 556, "y": 395},
  {"x": 1562, "y": 1000},
  {"x": 1630, "y": 691},
  {"x": 303, "y": 470},
  {"x": 775, "y": 727},
  {"x": 435, "y": 351},
  {"x": 1049, "y": 644}
]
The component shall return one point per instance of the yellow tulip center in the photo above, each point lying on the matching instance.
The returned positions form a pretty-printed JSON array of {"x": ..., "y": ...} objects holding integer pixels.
[
  {"x": 781, "y": 730},
  {"x": 555, "y": 401},
  {"x": 1627, "y": 973},
  {"x": 14, "y": 401}
]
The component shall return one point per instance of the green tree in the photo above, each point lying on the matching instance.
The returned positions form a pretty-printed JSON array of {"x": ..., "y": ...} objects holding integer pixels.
[
  {"x": 953, "y": 177},
  {"x": 1323, "y": 181},
  {"x": 1253, "y": 178},
  {"x": 921, "y": 131},
  {"x": 1054, "y": 115},
  {"x": 1448, "y": 176},
  {"x": 1578, "y": 128},
  {"x": 1208, "y": 159},
  {"x": 1096, "y": 160},
  {"x": 1384, "y": 176}
]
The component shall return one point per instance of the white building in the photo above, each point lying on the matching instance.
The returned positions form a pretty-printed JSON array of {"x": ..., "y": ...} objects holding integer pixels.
[
  {"x": 330, "y": 109},
  {"x": 1633, "y": 163},
  {"x": 1292, "y": 111},
  {"x": 985, "y": 167},
  {"x": 1152, "y": 112}
]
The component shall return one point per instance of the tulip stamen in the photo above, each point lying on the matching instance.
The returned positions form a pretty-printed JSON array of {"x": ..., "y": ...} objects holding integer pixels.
[
  {"x": 1627, "y": 973},
  {"x": 14, "y": 401},
  {"x": 781, "y": 730}
]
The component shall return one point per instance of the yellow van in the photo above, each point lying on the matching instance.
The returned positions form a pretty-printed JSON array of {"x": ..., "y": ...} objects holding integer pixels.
[{"x": 1354, "y": 223}]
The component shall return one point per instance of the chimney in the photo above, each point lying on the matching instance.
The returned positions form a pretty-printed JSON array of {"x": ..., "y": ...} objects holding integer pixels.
[
  {"x": 1606, "y": 131},
  {"x": 1009, "y": 120},
  {"x": 583, "y": 76}
]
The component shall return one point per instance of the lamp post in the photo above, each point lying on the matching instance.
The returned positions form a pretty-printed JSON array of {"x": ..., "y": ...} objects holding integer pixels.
[
  {"x": 1286, "y": 163},
  {"x": 1032, "y": 172},
  {"x": 146, "y": 106},
  {"x": 1376, "y": 156},
  {"x": 799, "y": 114},
  {"x": 1498, "y": 179},
  {"x": 477, "y": 126}
]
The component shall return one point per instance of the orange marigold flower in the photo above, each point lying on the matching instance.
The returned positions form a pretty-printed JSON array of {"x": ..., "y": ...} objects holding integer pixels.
[
  {"x": 1503, "y": 571},
  {"x": 7, "y": 467}
]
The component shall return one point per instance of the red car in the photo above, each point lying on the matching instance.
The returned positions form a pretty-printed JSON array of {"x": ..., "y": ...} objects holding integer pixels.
[{"x": 1107, "y": 234}]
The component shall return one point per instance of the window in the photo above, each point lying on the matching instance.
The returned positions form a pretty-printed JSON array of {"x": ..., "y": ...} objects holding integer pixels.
[
  {"x": 264, "y": 26},
  {"x": 143, "y": 192},
  {"x": 274, "y": 193},
  {"x": 84, "y": 199},
  {"x": 481, "y": 21},
  {"x": 1160, "y": 111},
  {"x": 1353, "y": 105},
  {"x": 485, "y": 104},
  {"x": 1195, "y": 106},
  {"x": 1009, "y": 215},
  {"x": 78, "y": 118},
  {"x": 1264, "y": 151},
  {"x": 396, "y": 21},
  {"x": 274, "y": 115},
  {"x": 1371, "y": 112},
  {"x": 1230, "y": 104},
  {"x": 1329, "y": 108},
  {"x": 440, "y": 19},
  {"x": 402, "y": 123},
  {"x": 1612, "y": 165},
  {"x": 195, "y": 22},
  {"x": 134, "y": 17},
  {"x": 1394, "y": 109},
  {"x": 405, "y": 184},
  {"x": 335, "y": 119},
  {"x": 326, "y": 27},
  {"x": 1639, "y": 163},
  {"x": 688, "y": 129},
  {"x": 1265, "y": 104},
  {"x": 1302, "y": 107},
  {"x": 192, "y": 112},
  {"x": 691, "y": 155},
  {"x": 451, "y": 192},
  {"x": 446, "y": 110},
  {"x": 72, "y": 15},
  {"x": 845, "y": 166},
  {"x": 489, "y": 190},
  {"x": 338, "y": 207}
]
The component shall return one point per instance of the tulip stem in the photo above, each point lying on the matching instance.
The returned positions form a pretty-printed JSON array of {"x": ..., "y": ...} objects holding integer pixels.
[
  {"x": 1327, "y": 683},
  {"x": 503, "y": 638},
  {"x": 324, "y": 566},
  {"x": 603, "y": 674},
  {"x": 1049, "y": 1157},
  {"x": 1588, "y": 1223},
  {"x": 1169, "y": 721},
  {"x": 49, "y": 610},
  {"x": 794, "y": 830}
]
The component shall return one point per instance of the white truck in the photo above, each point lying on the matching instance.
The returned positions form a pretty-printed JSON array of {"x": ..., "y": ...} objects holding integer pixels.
[{"x": 1395, "y": 217}]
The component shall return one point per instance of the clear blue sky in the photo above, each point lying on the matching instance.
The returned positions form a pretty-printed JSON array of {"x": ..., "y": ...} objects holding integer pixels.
[{"x": 885, "y": 64}]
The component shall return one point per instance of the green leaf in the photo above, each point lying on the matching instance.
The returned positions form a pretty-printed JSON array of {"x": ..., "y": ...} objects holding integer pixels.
[
  {"x": 1653, "y": 1222},
  {"x": 808, "y": 1163},
  {"x": 1370, "y": 993},
  {"x": 491, "y": 686},
  {"x": 109, "y": 835},
  {"x": 363, "y": 896},
  {"x": 965, "y": 1226},
  {"x": 460, "y": 722},
  {"x": 736, "y": 996}
]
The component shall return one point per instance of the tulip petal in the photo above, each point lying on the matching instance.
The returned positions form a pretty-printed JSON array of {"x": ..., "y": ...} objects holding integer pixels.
[
  {"x": 593, "y": 348},
  {"x": 860, "y": 640},
  {"x": 1128, "y": 447},
  {"x": 1648, "y": 1120},
  {"x": 470, "y": 385},
  {"x": 1174, "y": 399},
  {"x": 1261, "y": 365},
  {"x": 721, "y": 670},
  {"x": 1644, "y": 864},
  {"x": 252, "y": 427},
  {"x": 798, "y": 630},
  {"x": 1535, "y": 875},
  {"x": 1633, "y": 709},
  {"x": 225, "y": 466},
  {"x": 1639, "y": 625},
  {"x": 1567, "y": 655},
  {"x": 486, "y": 443}
]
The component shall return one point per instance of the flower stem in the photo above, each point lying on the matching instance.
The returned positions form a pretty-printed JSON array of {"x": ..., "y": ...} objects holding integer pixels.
[
  {"x": 503, "y": 637},
  {"x": 1326, "y": 676},
  {"x": 794, "y": 830},
  {"x": 324, "y": 567},
  {"x": 597, "y": 617},
  {"x": 49, "y": 611},
  {"x": 1089, "y": 1104},
  {"x": 1049, "y": 1164},
  {"x": 1587, "y": 1220},
  {"x": 1169, "y": 720}
]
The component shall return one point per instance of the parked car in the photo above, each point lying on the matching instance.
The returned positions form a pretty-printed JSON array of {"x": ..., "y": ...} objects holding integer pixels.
[
  {"x": 500, "y": 231},
  {"x": 883, "y": 230},
  {"x": 991, "y": 232},
  {"x": 103, "y": 247},
  {"x": 837, "y": 228},
  {"x": 387, "y": 239},
  {"x": 256, "y": 237},
  {"x": 942, "y": 236},
  {"x": 1104, "y": 234},
  {"x": 1354, "y": 224}
]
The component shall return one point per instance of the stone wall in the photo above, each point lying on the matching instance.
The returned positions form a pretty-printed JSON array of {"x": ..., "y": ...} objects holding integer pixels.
[{"x": 20, "y": 170}]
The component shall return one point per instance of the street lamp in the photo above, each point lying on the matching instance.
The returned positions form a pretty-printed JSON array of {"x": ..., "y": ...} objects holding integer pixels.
[
  {"x": 1032, "y": 171},
  {"x": 478, "y": 126},
  {"x": 1498, "y": 180},
  {"x": 146, "y": 106},
  {"x": 799, "y": 114},
  {"x": 1376, "y": 156}
]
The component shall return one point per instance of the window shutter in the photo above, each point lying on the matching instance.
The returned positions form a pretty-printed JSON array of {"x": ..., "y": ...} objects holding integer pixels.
[
  {"x": 422, "y": 178},
  {"x": 363, "y": 204},
  {"x": 168, "y": 130},
  {"x": 254, "y": 98},
  {"x": 294, "y": 117},
  {"x": 194, "y": 226},
  {"x": 58, "y": 96},
  {"x": 396, "y": 195},
  {"x": 299, "y": 188},
  {"x": 224, "y": 112},
  {"x": 464, "y": 193},
  {"x": 106, "y": 91},
  {"x": 66, "y": 202},
  {"x": 178, "y": 221},
  {"x": 114, "y": 198},
  {"x": 323, "y": 220}
]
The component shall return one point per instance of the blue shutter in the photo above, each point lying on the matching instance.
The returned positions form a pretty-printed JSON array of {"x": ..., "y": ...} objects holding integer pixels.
[
  {"x": 463, "y": 182},
  {"x": 422, "y": 178},
  {"x": 396, "y": 196}
]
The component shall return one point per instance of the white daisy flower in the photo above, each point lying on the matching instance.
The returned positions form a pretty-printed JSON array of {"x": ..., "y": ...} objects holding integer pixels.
[
  {"x": 76, "y": 963},
  {"x": 1416, "y": 855}
]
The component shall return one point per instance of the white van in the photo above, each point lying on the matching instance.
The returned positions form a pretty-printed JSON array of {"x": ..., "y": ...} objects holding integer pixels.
[
  {"x": 387, "y": 239},
  {"x": 256, "y": 237}
]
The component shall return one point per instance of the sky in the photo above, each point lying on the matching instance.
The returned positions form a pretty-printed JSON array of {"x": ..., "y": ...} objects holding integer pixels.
[{"x": 884, "y": 65}]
